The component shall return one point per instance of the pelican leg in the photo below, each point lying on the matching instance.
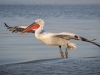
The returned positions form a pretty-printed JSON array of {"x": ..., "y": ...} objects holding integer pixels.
[
  {"x": 66, "y": 53},
  {"x": 61, "y": 53}
]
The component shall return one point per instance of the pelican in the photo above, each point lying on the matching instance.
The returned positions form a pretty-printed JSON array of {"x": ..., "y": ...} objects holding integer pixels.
[{"x": 54, "y": 39}]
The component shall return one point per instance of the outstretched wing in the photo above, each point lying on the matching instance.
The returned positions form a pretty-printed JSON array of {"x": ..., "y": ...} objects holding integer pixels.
[
  {"x": 18, "y": 28},
  {"x": 69, "y": 36}
]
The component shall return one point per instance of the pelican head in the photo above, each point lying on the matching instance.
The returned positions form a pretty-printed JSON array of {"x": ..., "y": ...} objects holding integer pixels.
[{"x": 38, "y": 23}]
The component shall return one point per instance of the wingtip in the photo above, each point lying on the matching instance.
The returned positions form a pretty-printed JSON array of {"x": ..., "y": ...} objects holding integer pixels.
[
  {"x": 6, "y": 25},
  {"x": 91, "y": 41}
]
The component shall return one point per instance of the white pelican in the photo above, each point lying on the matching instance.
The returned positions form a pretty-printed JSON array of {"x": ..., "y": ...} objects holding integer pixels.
[{"x": 54, "y": 39}]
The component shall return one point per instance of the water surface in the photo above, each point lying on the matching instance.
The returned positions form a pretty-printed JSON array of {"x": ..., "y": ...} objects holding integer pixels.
[{"x": 83, "y": 20}]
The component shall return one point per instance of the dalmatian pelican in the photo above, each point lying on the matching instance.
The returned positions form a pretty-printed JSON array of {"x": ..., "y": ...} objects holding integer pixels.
[{"x": 52, "y": 39}]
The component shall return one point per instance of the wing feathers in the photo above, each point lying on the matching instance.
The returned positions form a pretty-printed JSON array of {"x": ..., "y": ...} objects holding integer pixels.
[
  {"x": 17, "y": 28},
  {"x": 69, "y": 36},
  {"x": 86, "y": 40}
]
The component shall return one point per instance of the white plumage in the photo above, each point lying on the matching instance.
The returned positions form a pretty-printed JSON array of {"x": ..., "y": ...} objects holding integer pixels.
[
  {"x": 53, "y": 39},
  {"x": 56, "y": 39}
]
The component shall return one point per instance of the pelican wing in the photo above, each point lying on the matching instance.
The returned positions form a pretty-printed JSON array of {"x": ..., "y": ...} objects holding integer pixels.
[
  {"x": 69, "y": 36},
  {"x": 18, "y": 28}
]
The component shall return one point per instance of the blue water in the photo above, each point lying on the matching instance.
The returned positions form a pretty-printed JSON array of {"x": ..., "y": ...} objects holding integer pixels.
[
  {"x": 51, "y": 11},
  {"x": 80, "y": 19}
]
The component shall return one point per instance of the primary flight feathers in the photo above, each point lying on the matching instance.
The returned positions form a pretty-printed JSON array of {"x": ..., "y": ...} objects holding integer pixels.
[{"x": 18, "y": 28}]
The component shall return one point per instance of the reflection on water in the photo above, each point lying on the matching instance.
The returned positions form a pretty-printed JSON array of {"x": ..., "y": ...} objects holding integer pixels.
[{"x": 16, "y": 48}]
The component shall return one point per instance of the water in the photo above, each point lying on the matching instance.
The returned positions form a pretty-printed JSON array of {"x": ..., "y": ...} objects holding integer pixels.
[
  {"x": 80, "y": 19},
  {"x": 84, "y": 66}
]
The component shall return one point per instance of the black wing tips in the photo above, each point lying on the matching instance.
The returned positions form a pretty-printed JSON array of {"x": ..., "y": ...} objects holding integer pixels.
[
  {"x": 7, "y": 26},
  {"x": 13, "y": 29},
  {"x": 10, "y": 28},
  {"x": 17, "y": 29},
  {"x": 86, "y": 40}
]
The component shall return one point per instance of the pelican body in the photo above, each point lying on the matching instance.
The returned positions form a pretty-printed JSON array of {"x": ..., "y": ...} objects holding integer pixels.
[{"x": 55, "y": 39}]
